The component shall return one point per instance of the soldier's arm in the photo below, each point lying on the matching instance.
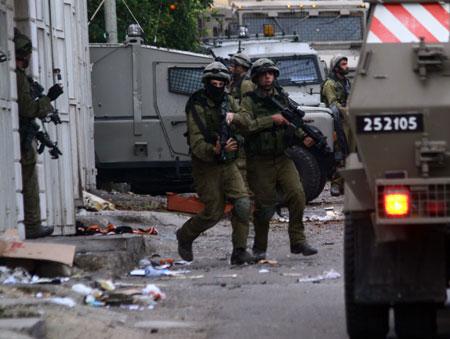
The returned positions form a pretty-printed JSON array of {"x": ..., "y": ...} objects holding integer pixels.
[
  {"x": 234, "y": 105},
  {"x": 28, "y": 107},
  {"x": 247, "y": 86},
  {"x": 329, "y": 93},
  {"x": 246, "y": 121},
  {"x": 199, "y": 146}
]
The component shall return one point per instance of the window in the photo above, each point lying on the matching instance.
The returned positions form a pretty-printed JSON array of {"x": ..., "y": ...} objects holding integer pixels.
[{"x": 185, "y": 80}]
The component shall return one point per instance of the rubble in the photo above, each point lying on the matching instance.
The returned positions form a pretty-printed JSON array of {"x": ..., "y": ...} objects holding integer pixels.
[
  {"x": 327, "y": 275},
  {"x": 95, "y": 203}
]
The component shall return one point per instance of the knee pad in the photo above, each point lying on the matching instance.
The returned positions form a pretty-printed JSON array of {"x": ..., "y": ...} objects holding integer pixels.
[{"x": 242, "y": 209}]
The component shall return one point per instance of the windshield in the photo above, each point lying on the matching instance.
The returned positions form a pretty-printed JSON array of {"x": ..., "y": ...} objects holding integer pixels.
[{"x": 298, "y": 70}]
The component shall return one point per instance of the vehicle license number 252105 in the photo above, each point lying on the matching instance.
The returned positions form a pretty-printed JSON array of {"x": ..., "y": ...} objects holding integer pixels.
[{"x": 389, "y": 123}]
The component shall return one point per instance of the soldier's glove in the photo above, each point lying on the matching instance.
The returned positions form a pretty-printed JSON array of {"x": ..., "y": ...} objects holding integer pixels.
[{"x": 54, "y": 92}]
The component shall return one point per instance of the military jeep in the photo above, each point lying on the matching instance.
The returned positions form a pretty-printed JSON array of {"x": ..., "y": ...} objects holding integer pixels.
[{"x": 397, "y": 191}]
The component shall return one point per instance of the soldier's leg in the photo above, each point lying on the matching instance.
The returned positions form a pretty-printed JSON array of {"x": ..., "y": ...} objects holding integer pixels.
[
  {"x": 209, "y": 190},
  {"x": 262, "y": 181},
  {"x": 235, "y": 190},
  {"x": 289, "y": 181},
  {"x": 30, "y": 191}
]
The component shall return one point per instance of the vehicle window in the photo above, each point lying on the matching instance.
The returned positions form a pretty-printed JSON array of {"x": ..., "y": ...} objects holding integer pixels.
[
  {"x": 185, "y": 80},
  {"x": 298, "y": 70},
  {"x": 320, "y": 28}
]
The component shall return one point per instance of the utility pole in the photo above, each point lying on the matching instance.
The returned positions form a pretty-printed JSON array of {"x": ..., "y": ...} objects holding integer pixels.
[{"x": 111, "y": 20}]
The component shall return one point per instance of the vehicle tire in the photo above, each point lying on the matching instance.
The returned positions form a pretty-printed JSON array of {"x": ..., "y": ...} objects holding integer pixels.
[
  {"x": 416, "y": 320},
  {"x": 363, "y": 321},
  {"x": 311, "y": 175}
]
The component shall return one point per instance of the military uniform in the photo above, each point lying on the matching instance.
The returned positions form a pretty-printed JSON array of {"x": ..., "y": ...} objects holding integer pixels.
[
  {"x": 335, "y": 91},
  {"x": 269, "y": 167},
  {"x": 29, "y": 109},
  {"x": 216, "y": 181},
  {"x": 31, "y": 105}
]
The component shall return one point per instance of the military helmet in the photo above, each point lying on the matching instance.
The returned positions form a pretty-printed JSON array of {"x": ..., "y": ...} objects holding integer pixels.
[
  {"x": 263, "y": 65},
  {"x": 23, "y": 45},
  {"x": 336, "y": 60},
  {"x": 216, "y": 70},
  {"x": 241, "y": 59}
]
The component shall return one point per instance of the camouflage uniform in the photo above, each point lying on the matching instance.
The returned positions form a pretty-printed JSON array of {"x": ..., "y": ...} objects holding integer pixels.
[
  {"x": 29, "y": 109},
  {"x": 215, "y": 181},
  {"x": 335, "y": 91},
  {"x": 269, "y": 167}
]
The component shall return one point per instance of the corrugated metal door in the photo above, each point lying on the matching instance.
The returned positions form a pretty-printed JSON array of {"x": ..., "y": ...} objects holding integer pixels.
[{"x": 11, "y": 209}]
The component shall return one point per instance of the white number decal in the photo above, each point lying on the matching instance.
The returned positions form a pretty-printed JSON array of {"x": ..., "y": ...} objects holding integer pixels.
[
  {"x": 377, "y": 125},
  {"x": 403, "y": 123},
  {"x": 367, "y": 125},
  {"x": 387, "y": 123},
  {"x": 412, "y": 123}
]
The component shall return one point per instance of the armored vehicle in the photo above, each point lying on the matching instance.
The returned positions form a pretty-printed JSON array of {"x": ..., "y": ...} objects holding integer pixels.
[
  {"x": 397, "y": 193},
  {"x": 331, "y": 27},
  {"x": 301, "y": 75},
  {"x": 139, "y": 95}
]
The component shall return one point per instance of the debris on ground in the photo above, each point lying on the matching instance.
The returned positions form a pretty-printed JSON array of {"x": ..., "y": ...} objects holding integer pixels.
[
  {"x": 329, "y": 216},
  {"x": 107, "y": 293},
  {"x": 188, "y": 204},
  {"x": 94, "y": 203},
  {"x": 327, "y": 275},
  {"x": 263, "y": 270},
  {"x": 268, "y": 262},
  {"x": 19, "y": 275},
  {"x": 111, "y": 229},
  {"x": 233, "y": 276},
  {"x": 63, "y": 301},
  {"x": 13, "y": 248},
  {"x": 157, "y": 266}
]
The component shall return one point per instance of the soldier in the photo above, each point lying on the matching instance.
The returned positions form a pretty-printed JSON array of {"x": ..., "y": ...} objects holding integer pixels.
[
  {"x": 240, "y": 84},
  {"x": 30, "y": 107},
  {"x": 266, "y": 140},
  {"x": 334, "y": 94},
  {"x": 215, "y": 174}
]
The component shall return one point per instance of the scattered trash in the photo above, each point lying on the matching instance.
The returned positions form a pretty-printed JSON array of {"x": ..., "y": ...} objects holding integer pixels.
[
  {"x": 328, "y": 243},
  {"x": 233, "y": 276},
  {"x": 111, "y": 229},
  {"x": 95, "y": 203},
  {"x": 264, "y": 270},
  {"x": 82, "y": 289},
  {"x": 281, "y": 219},
  {"x": 19, "y": 275},
  {"x": 269, "y": 262},
  {"x": 157, "y": 266},
  {"x": 69, "y": 302},
  {"x": 327, "y": 275},
  {"x": 106, "y": 285},
  {"x": 329, "y": 216},
  {"x": 329, "y": 208}
]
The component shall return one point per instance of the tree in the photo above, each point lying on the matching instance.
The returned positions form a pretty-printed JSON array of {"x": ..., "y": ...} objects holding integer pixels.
[{"x": 166, "y": 23}]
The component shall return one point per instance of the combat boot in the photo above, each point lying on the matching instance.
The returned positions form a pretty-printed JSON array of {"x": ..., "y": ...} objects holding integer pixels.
[
  {"x": 304, "y": 248},
  {"x": 38, "y": 231},
  {"x": 335, "y": 189},
  {"x": 240, "y": 257},
  {"x": 259, "y": 254},
  {"x": 184, "y": 248}
]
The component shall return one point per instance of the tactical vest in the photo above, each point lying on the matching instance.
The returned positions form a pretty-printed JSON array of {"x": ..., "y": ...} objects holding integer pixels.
[
  {"x": 269, "y": 142},
  {"x": 210, "y": 121},
  {"x": 342, "y": 90}
]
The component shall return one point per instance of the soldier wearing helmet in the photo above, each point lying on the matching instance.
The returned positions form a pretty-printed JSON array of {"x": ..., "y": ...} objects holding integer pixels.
[
  {"x": 216, "y": 176},
  {"x": 265, "y": 131},
  {"x": 30, "y": 107},
  {"x": 240, "y": 84},
  {"x": 334, "y": 93}
]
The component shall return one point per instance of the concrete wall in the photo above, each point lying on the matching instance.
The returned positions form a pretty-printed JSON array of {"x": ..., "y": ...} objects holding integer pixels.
[{"x": 58, "y": 30}]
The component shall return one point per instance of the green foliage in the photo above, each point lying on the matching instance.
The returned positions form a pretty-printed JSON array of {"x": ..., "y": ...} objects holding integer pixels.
[{"x": 166, "y": 23}]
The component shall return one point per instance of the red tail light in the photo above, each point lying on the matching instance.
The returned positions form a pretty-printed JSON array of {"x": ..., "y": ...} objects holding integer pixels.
[{"x": 396, "y": 202}]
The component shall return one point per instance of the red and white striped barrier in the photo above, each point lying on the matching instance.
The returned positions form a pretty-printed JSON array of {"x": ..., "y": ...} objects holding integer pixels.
[{"x": 406, "y": 23}]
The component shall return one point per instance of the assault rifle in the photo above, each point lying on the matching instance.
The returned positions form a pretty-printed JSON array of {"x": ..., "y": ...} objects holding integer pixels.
[
  {"x": 225, "y": 132},
  {"x": 32, "y": 130},
  {"x": 294, "y": 115},
  {"x": 343, "y": 150},
  {"x": 225, "y": 61}
]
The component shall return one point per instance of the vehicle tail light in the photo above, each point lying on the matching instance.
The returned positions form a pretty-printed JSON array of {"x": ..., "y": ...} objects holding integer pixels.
[{"x": 396, "y": 202}]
